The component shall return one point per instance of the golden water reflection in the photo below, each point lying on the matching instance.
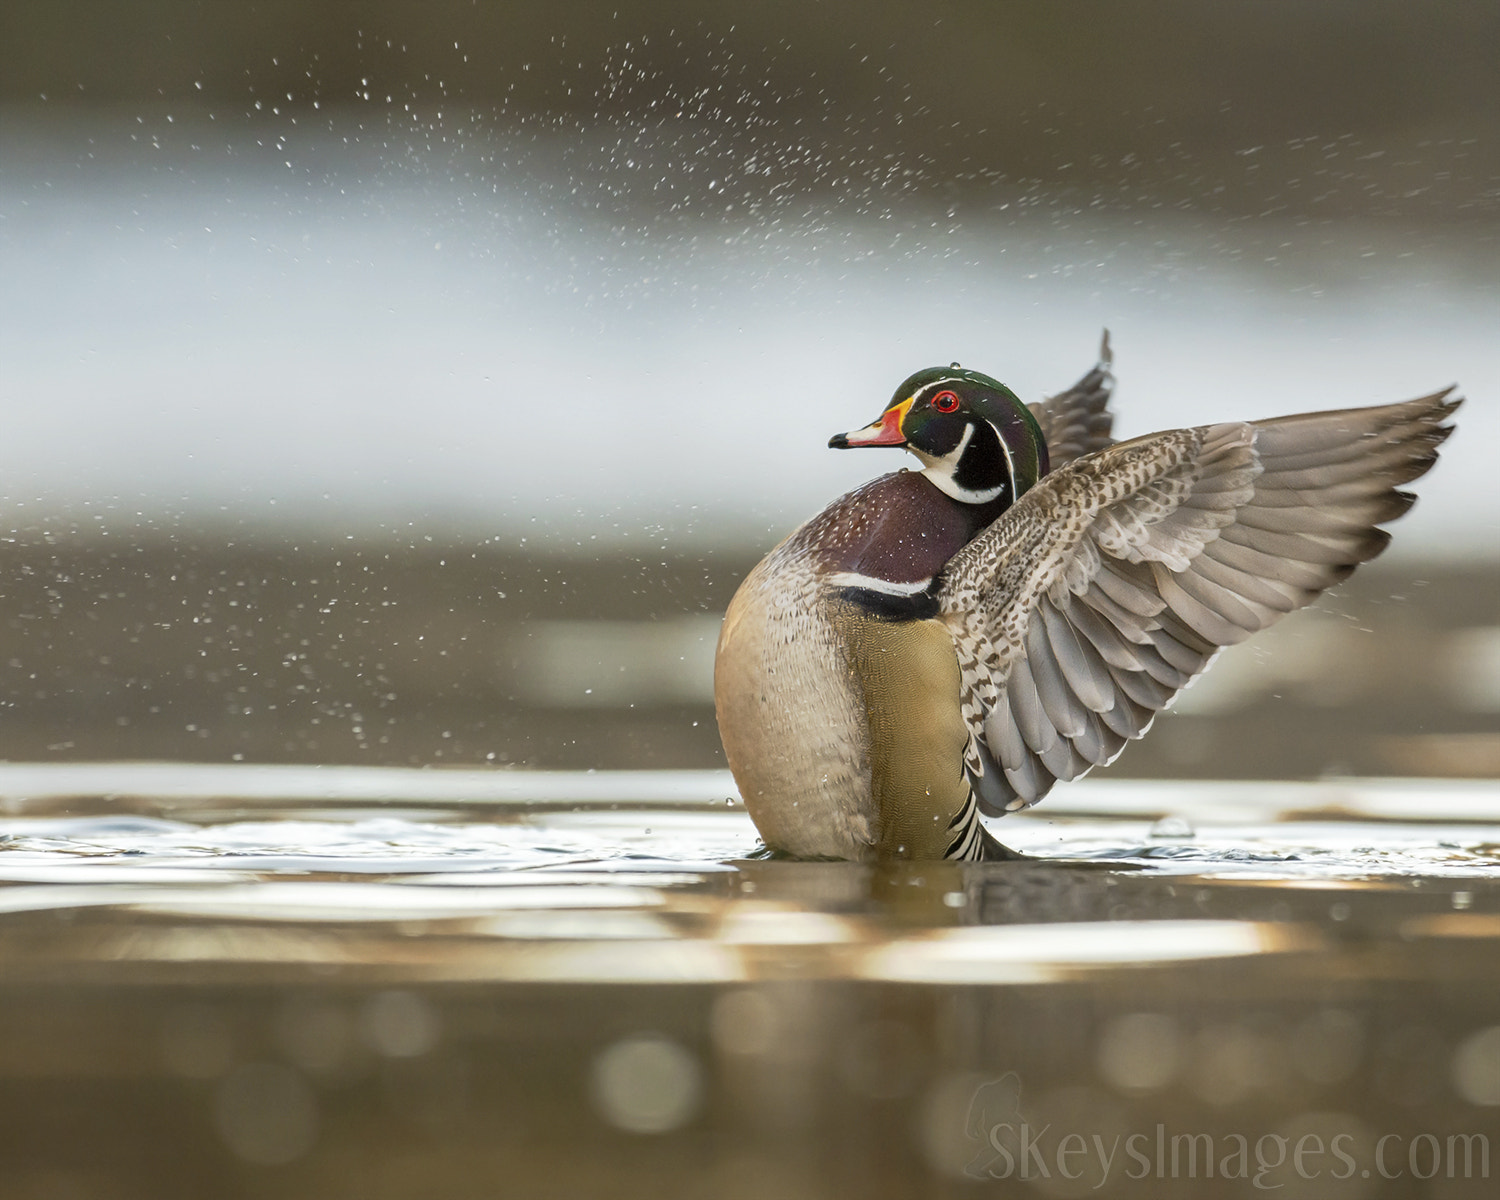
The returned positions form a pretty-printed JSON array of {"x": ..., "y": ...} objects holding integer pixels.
[{"x": 544, "y": 998}]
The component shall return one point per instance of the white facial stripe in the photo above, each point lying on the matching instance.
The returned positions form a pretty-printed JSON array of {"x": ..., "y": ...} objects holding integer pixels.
[{"x": 889, "y": 586}]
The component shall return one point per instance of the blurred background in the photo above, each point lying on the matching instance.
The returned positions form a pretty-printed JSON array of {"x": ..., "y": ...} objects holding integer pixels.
[{"x": 413, "y": 383}]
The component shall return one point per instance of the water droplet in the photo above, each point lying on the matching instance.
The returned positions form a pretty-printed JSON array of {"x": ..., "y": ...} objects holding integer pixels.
[
  {"x": 266, "y": 1114},
  {"x": 399, "y": 1024},
  {"x": 647, "y": 1084},
  {"x": 1476, "y": 1067}
]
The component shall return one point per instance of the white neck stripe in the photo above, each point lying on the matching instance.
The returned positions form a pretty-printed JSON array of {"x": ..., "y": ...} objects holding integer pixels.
[{"x": 1010, "y": 463}]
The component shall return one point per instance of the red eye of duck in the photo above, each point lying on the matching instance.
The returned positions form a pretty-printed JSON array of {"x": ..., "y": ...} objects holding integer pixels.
[{"x": 945, "y": 402}]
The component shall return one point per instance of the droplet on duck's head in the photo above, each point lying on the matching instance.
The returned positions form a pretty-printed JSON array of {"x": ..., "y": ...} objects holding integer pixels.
[{"x": 956, "y": 366}]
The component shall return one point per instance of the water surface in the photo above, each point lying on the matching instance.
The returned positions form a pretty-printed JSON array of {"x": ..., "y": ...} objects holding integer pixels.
[{"x": 339, "y": 981}]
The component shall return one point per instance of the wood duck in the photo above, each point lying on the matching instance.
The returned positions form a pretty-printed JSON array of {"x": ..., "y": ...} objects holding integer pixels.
[{"x": 950, "y": 642}]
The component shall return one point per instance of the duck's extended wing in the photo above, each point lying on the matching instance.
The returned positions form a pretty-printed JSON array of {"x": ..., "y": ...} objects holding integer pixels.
[
  {"x": 1108, "y": 587},
  {"x": 1078, "y": 421}
]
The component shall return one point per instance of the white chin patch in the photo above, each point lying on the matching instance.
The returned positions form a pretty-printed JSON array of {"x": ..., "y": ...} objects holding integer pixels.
[{"x": 940, "y": 471}]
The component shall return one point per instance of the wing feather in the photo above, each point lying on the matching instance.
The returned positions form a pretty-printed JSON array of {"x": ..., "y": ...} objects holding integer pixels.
[
  {"x": 1173, "y": 662},
  {"x": 1126, "y": 589},
  {"x": 1106, "y": 638},
  {"x": 1078, "y": 421},
  {"x": 1215, "y": 613},
  {"x": 1324, "y": 551},
  {"x": 1272, "y": 594},
  {"x": 1287, "y": 520},
  {"x": 987, "y": 778},
  {"x": 1127, "y": 719},
  {"x": 1112, "y": 584},
  {"x": 1026, "y": 711},
  {"x": 1083, "y": 666},
  {"x": 1062, "y": 709},
  {"x": 1290, "y": 572},
  {"x": 1145, "y": 690}
]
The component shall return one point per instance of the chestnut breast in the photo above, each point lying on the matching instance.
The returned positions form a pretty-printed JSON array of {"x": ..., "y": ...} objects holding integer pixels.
[{"x": 898, "y": 528}]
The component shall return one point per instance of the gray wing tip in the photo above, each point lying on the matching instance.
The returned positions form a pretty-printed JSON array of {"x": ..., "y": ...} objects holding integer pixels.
[
  {"x": 1447, "y": 406},
  {"x": 1077, "y": 421},
  {"x": 1417, "y": 421},
  {"x": 1435, "y": 406},
  {"x": 1430, "y": 415}
]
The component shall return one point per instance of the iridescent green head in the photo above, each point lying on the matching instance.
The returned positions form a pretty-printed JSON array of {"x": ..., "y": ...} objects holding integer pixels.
[{"x": 977, "y": 441}]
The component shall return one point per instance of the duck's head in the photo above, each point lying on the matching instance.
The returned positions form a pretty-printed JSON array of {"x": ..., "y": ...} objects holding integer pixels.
[{"x": 978, "y": 443}]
